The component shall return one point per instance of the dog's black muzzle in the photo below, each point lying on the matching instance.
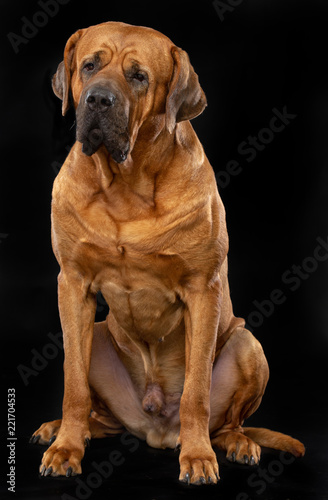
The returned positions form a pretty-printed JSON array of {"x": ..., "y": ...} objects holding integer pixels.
[{"x": 101, "y": 119}]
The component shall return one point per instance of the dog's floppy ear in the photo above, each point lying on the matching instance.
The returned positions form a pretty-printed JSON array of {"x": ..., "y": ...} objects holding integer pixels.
[
  {"x": 185, "y": 99},
  {"x": 61, "y": 80}
]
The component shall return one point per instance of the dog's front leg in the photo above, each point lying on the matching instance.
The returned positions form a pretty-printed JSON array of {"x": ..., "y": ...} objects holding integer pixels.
[
  {"x": 198, "y": 463},
  {"x": 77, "y": 307}
]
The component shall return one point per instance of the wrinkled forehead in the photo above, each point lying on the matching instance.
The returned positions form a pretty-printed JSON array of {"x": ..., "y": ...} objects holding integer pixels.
[{"x": 126, "y": 43}]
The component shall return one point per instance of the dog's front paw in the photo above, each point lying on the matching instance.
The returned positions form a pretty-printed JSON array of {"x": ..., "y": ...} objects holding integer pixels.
[
  {"x": 198, "y": 464},
  {"x": 63, "y": 457}
]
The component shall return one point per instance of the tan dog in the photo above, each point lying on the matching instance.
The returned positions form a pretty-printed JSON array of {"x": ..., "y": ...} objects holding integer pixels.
[{"x": 136, "y": 214}]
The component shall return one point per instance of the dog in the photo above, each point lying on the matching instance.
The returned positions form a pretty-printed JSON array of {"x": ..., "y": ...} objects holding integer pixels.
[{"x": 136, "y": 214}]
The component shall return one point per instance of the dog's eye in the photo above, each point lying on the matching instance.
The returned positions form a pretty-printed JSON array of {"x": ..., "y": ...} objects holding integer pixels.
[
  {"x": 139, "y": 76},
  {"x": 89, "y": 67}
]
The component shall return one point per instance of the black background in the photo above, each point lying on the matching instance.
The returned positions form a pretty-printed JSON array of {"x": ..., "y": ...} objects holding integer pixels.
[{"x": 263, "y": 55}]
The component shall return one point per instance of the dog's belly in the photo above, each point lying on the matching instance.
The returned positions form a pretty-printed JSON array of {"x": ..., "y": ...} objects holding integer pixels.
[{"x": 145, "y": 312}]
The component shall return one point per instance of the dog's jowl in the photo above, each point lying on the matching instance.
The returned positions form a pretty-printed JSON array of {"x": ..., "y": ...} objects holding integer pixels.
[{"x": 136, "y": 214}]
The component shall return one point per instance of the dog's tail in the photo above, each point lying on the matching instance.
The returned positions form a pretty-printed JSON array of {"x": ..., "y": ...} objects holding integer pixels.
[{"x": 276, "y": 440}]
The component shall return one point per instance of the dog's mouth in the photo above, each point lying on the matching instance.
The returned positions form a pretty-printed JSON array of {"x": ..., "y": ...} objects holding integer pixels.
[{"x": 117, "y": 144}]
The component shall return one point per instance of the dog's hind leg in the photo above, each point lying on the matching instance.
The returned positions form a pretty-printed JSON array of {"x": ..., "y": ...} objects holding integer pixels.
[{"x": 239, "y": 379}]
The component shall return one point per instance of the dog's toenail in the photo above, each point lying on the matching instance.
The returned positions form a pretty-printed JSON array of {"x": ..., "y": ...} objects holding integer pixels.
[
  {"x": 35, "y": 439},
  {"x": 69, "y": 472},
  {"x": 52, "y": 440},
  {"x": 48, "y": 471},
  {"x": 186, "y": 479}
]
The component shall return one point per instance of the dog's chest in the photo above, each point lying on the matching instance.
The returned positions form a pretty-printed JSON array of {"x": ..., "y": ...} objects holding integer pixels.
[{"x": 136, "y": 262}]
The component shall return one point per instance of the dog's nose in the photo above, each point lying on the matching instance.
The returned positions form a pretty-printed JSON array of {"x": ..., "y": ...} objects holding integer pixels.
[{"x": 99, "y": 99}]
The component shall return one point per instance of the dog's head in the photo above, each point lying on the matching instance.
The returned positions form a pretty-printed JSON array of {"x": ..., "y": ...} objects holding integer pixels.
[{"x": 118, "y": 77}]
